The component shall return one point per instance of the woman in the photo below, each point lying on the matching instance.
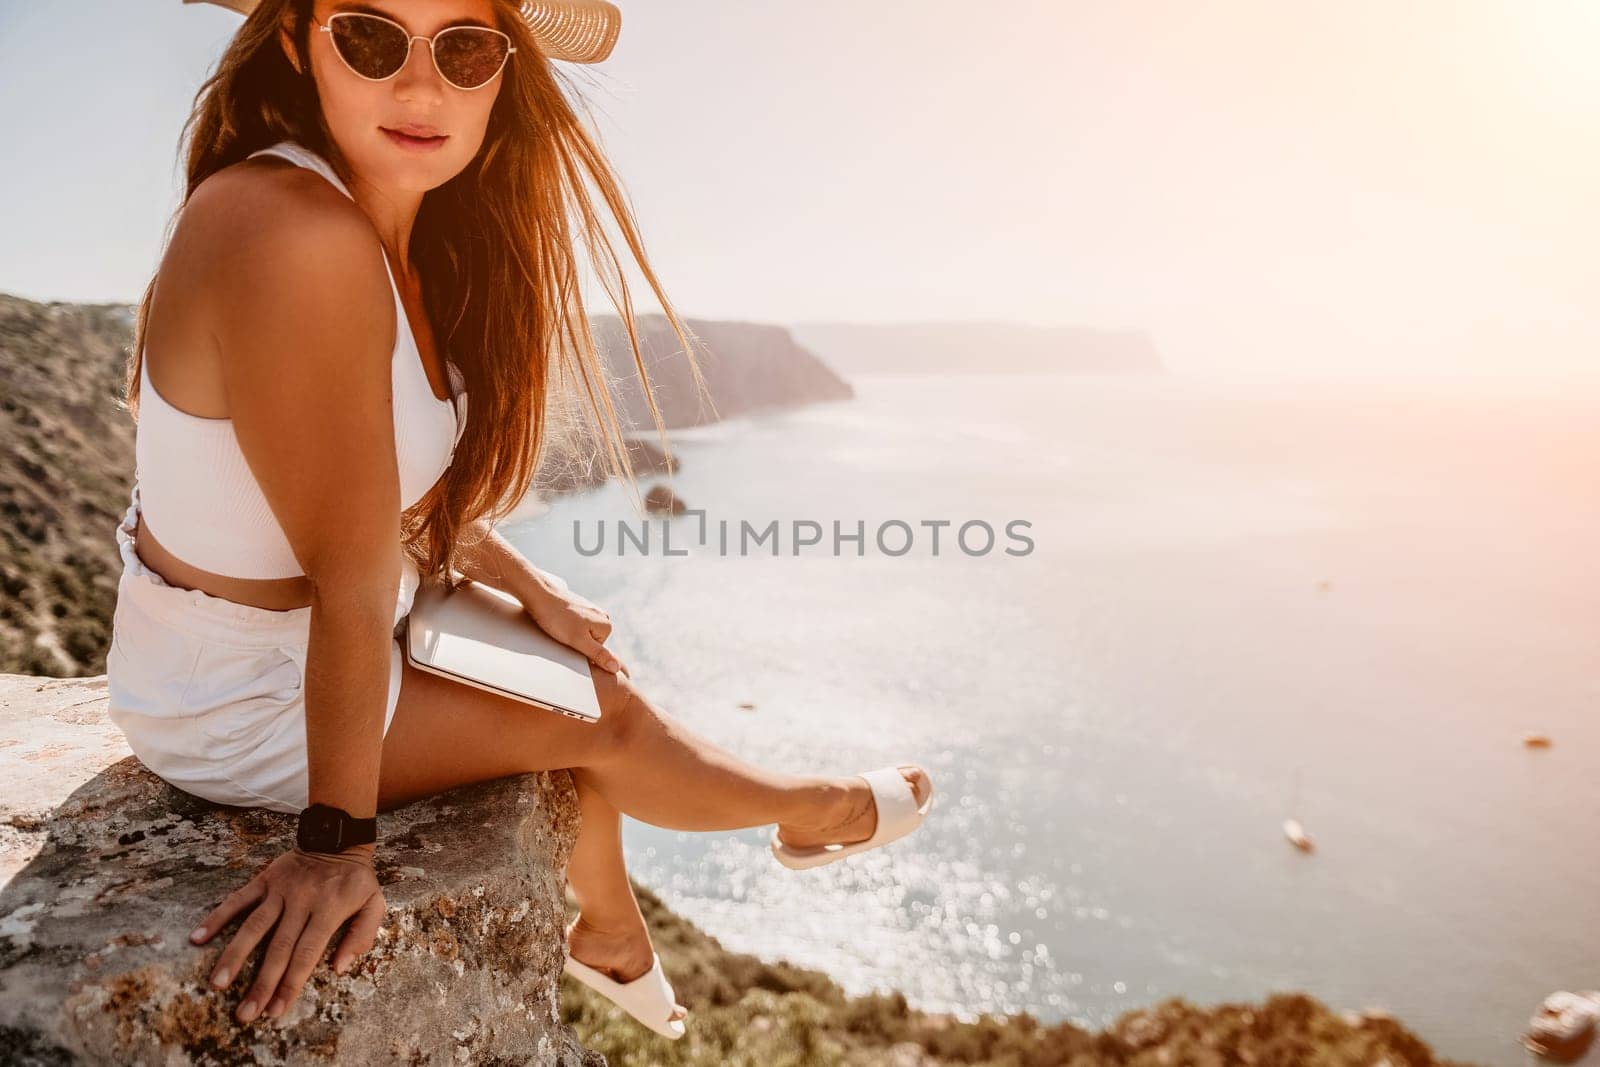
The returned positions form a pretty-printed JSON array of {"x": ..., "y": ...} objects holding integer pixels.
[{"x": 372, "y": 234}]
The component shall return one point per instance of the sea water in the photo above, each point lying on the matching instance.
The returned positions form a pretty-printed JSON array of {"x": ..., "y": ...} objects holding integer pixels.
[{"x": 1342, "y": 603}]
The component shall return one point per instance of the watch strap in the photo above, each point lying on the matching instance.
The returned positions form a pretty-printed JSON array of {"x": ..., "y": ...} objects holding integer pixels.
[{"x": 325, "y": 828}]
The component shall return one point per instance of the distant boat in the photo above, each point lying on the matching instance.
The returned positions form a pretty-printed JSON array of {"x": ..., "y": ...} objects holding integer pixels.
[
  {"x": 1563, "y": 1027},
  {"x": 1297, "y": 835},
  {"x": 1535, "y": 740}
]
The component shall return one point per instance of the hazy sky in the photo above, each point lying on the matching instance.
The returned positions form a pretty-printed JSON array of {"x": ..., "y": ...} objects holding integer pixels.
[{"x": 1356, "y": 187}]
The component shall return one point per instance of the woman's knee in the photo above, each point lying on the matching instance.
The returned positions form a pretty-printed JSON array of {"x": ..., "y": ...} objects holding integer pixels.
[{"x": 621, "y": 705}]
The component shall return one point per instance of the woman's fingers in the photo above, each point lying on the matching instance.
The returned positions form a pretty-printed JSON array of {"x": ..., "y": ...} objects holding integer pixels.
[
  {"x": 307, "y": 898},
  {"x": 252, "y": 930},
  {"x": 362, "y": 935},
  {"x": 303, "y": 960},
  {"x": 231, "y": 905},
  {"x": 274, "y": 963},
  {"x": 601, "y": 656}
]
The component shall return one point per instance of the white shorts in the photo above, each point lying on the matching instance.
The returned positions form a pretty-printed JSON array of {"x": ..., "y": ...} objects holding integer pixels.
[{"x": 210, "y": 693}]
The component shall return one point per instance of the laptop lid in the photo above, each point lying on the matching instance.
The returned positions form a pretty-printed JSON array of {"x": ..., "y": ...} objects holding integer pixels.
[{"x": 483, "y": 637}]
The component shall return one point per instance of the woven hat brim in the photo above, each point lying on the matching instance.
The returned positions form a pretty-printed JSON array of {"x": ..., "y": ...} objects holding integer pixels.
[{"x": 576, "y": 31}]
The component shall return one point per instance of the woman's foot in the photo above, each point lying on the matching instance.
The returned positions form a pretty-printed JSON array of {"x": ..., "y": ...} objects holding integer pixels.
[
  {"x": 847, "y": 812},
  {"x": 621, "y": 954}
]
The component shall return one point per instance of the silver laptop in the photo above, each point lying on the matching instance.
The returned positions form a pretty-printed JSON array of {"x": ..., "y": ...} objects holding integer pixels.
[{"x": 483, "y": 637}]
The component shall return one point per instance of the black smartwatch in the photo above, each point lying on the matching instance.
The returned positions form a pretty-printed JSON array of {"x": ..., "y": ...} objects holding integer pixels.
[{"x": 325, "y": 828}]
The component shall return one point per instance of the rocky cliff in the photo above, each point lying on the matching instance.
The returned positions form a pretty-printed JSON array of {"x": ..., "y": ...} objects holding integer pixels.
[
  {"x": 748, "y": 367},
  {"x": 66, "y": 462},
  {"x": 104, "y": 869}
]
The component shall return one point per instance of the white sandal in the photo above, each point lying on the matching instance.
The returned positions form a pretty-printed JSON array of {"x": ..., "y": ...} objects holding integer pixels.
[
  {"x": 898, "y": 815},
  {"x": 648, "y": 998}
]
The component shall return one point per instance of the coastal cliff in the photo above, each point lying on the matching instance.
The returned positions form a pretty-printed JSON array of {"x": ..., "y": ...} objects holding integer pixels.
[
  {"x": 66, "y": 462},
  {"x": 748, "y": 367}
]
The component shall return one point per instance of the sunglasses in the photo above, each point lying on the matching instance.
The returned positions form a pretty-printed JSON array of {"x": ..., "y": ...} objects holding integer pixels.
[{"x": 375, "y": 48}]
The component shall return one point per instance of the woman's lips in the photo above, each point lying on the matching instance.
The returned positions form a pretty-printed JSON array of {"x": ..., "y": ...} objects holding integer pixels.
[{"x": 413, "y": 144}]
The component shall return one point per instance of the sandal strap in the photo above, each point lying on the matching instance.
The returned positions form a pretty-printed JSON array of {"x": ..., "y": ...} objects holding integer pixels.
[
  {"x": 658, "y": 983},
  {"x": 897, "y": 802},
  {"x": 648, "y": 994}
]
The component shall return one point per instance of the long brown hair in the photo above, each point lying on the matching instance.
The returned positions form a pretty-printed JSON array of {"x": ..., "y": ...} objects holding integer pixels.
[{"x": 494, "y": 246}]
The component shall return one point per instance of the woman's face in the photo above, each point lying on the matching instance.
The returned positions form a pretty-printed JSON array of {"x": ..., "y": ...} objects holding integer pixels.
[{"x": 359, "y": 111}]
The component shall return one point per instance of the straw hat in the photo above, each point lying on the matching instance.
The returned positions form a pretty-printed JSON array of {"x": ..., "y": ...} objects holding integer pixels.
[{"x": 578, "y": 31}]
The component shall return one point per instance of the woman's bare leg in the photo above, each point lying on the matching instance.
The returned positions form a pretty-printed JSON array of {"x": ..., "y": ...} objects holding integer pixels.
[
  {"x": 637, "y": 760},
  {"x": 597, "y": 870},
  {"x": 609, "y": 933},
  {"x": 643, "y": 761}
]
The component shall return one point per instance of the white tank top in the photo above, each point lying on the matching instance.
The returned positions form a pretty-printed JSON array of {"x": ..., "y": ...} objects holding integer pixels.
[{"x": 195, "y": 488}]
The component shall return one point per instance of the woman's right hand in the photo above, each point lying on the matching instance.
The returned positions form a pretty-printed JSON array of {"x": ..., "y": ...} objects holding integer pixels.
[
  {"x": 308, "y": 895},
  {"x": 575, "y": 621}
]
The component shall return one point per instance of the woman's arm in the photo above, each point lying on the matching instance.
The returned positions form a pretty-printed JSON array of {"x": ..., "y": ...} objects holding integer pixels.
[
  {"x": 306, "y": 333},
  {"x": 558, "y": 611},
  {"x": 304, "y": 321},
  {"x": 489, "y": 558}
]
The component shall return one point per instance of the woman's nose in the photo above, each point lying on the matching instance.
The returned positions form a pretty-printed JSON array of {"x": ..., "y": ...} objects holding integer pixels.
[{"x": 419, "y": 73}]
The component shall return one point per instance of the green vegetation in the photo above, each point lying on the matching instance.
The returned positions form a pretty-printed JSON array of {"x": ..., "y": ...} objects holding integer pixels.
[
  {"x": 64, "y": 482},
  {"x": 745, "y": 1012}
]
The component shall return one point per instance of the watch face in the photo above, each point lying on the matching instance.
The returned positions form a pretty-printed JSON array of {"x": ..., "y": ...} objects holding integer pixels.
[
  {"x": 324, "y": 828},
  {"x": 319, "y": 828}
]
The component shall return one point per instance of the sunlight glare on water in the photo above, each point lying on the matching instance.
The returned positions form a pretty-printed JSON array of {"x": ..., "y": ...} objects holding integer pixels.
[{"x": 1340, "y": 603}]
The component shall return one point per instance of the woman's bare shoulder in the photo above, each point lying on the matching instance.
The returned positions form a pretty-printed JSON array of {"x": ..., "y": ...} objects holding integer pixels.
[
  {"x": 303, "y": 320},
  {"x": 264, "y": 237},
  {"x": 266, "y": 216}
]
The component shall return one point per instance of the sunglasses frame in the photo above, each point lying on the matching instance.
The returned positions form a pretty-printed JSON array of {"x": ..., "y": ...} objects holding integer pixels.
[{"x": 327, "y": 28}]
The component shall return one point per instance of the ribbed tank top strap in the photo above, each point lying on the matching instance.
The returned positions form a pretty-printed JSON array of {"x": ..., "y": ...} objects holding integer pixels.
[{"x": 299, "y": 153}]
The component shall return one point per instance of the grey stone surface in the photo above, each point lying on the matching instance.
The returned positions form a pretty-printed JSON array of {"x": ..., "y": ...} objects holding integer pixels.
[{"x": 104, "y": 870}]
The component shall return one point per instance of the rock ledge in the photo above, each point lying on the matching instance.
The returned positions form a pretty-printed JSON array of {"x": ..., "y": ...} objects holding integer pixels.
[{"x": 104, "y": 870}]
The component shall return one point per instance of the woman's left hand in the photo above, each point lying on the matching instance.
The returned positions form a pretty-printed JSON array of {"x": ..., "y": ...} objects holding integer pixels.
[{"x": 576, "y": 622}]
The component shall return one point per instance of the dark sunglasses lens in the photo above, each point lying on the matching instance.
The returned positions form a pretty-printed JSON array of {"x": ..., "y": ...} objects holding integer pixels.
[
  {"x": 469, "y": 56},
  {"x": 374, "y": 47}
]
